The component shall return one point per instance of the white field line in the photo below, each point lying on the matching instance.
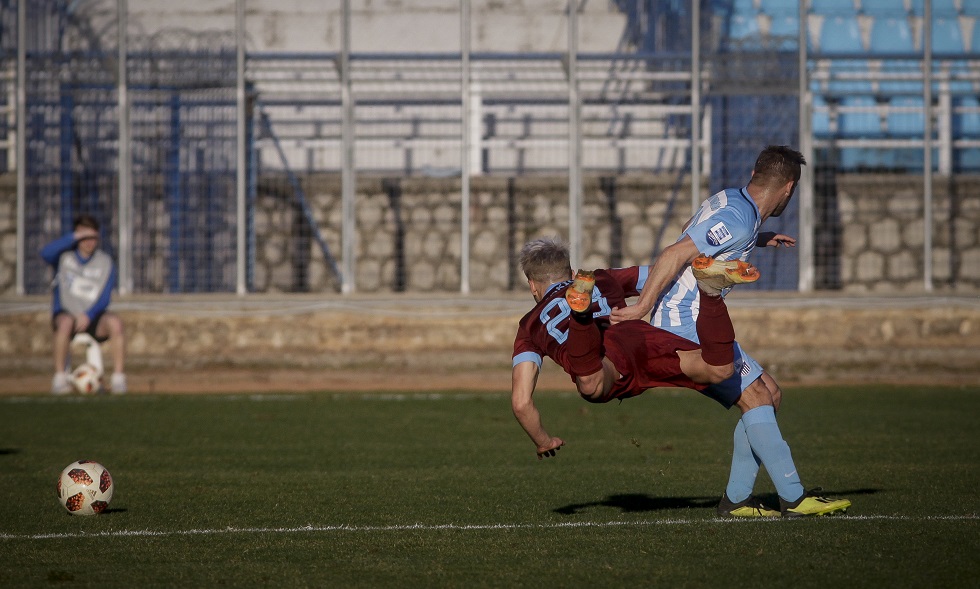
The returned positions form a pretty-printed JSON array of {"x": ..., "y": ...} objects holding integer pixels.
[{"x": 458, "y": 527}]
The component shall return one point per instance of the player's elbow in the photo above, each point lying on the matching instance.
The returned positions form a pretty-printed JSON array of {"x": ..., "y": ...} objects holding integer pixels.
[
  {"x": 521, "y": 407},
  {"x": 677, "y": 254}
]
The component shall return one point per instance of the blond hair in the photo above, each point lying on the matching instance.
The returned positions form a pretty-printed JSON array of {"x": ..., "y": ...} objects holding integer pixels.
[{"x": 545, "y": 260}]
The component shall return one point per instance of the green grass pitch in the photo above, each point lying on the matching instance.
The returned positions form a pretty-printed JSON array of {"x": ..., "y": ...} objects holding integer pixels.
[{"x": 445, "y": 491}]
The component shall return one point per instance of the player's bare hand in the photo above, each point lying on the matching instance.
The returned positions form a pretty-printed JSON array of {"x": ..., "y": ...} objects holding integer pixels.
[
  {"x": 773, "y": 239},
  {"x": 550, "y": 448},
  {"x": 626, "y": 314},
  {"x": 85, "y": 233}
]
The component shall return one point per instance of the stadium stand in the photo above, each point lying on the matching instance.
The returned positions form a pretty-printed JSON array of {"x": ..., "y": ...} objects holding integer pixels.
[
  {"x": 967, "y": 120},
  {"x": 840, "y": 34},
  {"x": 947, "y": 37},
  {"x": 866, "y": 74},
  {"x": 833, "y": 7},
  {"x": 891, "y": 34},
  {"x": 906, "y": 117},
  {"x": 940, "y": 8},
  {"x": 776, "y": 8},
  {"x": 878, "y": 8},
  {"x": 865, "y": 79},
  {"x": 743, "y": 27},
  {"x": 784, "y": 31},
  {"x": 859, "y": 117}
]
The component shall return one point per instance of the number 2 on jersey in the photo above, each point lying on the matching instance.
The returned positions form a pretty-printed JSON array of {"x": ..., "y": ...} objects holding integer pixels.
[{"x": 562, "y": 311}]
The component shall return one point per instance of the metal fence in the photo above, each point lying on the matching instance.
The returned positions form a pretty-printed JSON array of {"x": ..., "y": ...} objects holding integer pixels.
[{"x": 215, "y": 168}]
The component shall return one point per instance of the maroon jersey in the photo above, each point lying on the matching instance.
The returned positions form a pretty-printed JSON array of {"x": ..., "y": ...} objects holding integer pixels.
[{"x": 644, "y": 355}]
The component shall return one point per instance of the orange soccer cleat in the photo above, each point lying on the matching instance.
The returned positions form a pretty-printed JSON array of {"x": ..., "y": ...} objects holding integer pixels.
[
  {"x": 713, "y": 275},
  {"x": 579, "y": 292}
]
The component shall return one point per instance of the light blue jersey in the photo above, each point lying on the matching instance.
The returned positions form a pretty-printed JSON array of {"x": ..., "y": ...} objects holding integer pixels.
[{"x": 726, "y": 227}]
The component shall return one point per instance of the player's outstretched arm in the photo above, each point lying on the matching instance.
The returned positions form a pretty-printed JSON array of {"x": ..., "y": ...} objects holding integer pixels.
[
  {"x": 524, "y": 379},
  {"x": 669, "y": 264},
  {"x": 773, "y": 239}
]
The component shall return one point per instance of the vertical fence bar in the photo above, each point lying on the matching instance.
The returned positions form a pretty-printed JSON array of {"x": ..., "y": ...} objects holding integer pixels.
[
  {"x": 805, "y": 187},
  {"x": 21, "y": 142},
  {"x": 464, "y": 123},
  {"x": 927, "y": 142},
  {"x": 574, "y": 141},
  {"x": 241, "y": 281},
  {"x": 695, "y": 105},
  {"x": 347, "y": 178},
  {"x": 125, "y": 251}
]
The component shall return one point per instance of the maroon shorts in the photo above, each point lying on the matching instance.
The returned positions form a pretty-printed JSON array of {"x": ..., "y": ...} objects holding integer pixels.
[{"x": 646, "y": 357}]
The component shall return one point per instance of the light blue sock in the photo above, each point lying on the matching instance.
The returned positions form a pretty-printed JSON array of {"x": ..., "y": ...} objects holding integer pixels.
[
  {"x": 767, "y": 442},
  {"x": 745, "y": 467}
]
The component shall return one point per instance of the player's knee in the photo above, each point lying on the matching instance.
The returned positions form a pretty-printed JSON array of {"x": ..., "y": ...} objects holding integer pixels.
[
  {"x": 591, "y": 388},
  {"x": 755, "y": 395},
  {"x": 777, "y": 396},
  {"x": 110, "y": 326},
  {"x": 63, "y": 325}
]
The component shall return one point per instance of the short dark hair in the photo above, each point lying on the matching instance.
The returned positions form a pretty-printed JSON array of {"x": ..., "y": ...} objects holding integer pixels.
[
  {"x": 85, "y": 220},
  {"x": 546, "y": 260},
  {"x": 777, "y": 165}
]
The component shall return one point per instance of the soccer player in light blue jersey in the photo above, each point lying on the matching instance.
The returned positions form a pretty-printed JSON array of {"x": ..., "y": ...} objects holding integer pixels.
[
  {"x": 726, "y": 228},
  {"x": 84, "y": 278}
]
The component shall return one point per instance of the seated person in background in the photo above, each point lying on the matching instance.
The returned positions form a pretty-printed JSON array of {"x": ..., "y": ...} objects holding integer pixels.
[{"x": 84, "y": 278}]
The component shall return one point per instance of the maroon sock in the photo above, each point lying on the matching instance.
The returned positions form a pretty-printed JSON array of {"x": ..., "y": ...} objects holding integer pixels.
[
  {"x": 584, "y": 348},
  {"x": 715, "y": 331}
]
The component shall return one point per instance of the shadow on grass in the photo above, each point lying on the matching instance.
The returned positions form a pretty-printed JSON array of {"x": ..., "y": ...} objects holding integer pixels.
[
  {"x": 637, "y": 502},
  {"x": 9, "y": 451}
]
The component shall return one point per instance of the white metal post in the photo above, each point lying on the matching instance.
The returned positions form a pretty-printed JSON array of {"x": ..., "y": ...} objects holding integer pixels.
[
  {"x": 241, "y": 212},
  {"x": 125, "y": 163},
  {"x": 695, "y": 105},
  {"x": 21, "y": 140},
  {"x": 944, "y": 130},
  {"x": 806, "y": 185},
  {"x": 927, "y": 143},
  {"x": 464, "y": 123},
  {"x": 574, "y": 141},
  {"x": 347, "y": 179}
]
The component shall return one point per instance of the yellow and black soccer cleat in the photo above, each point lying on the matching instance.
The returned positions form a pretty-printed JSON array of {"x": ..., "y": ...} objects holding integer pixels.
[
  {"x": 811, "y": 504},
  {"x": 751, "y": 507}
]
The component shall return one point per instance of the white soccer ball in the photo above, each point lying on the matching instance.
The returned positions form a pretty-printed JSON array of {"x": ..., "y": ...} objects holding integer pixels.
[
  {"x": 85, "y": 488},
  {"x": 86, "y": 379}
]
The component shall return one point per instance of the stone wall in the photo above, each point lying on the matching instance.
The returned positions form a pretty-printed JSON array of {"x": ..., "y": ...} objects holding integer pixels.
[
  {"x": 869, "y": 238},
  {"x": 884, "y": 233},
  {"x": 408, "y": 231}
]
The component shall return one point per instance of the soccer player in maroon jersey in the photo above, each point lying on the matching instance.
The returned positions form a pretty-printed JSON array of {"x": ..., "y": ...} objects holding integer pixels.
[{"x": 570, "y": 325}]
